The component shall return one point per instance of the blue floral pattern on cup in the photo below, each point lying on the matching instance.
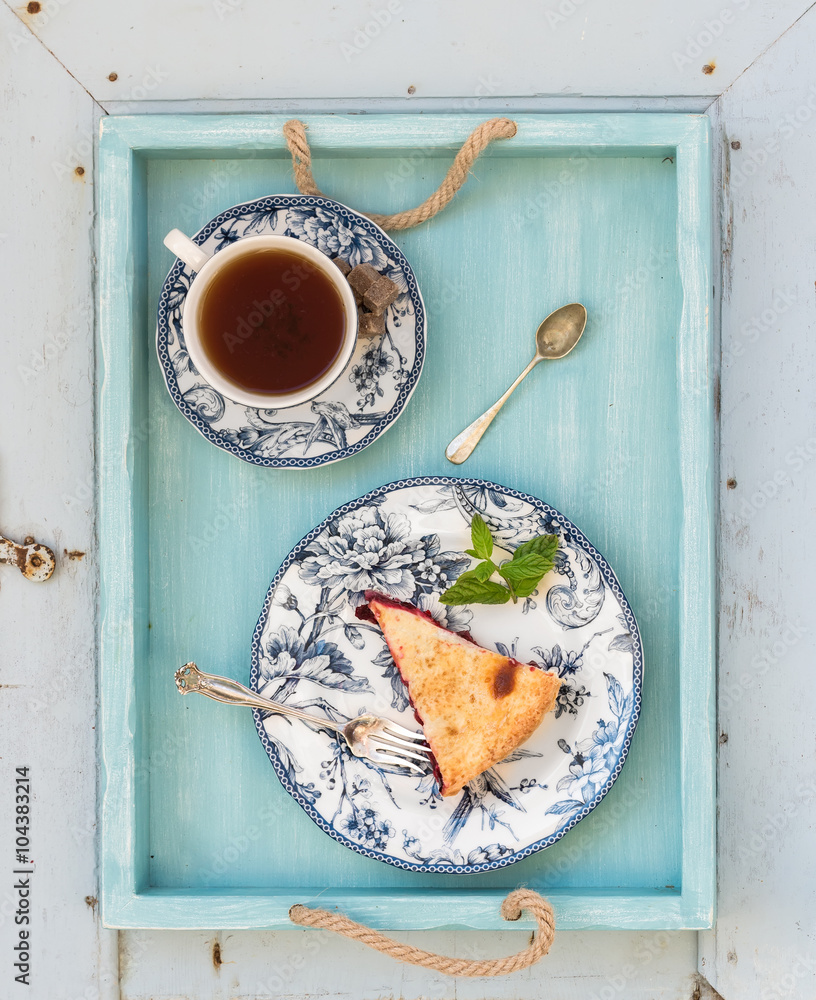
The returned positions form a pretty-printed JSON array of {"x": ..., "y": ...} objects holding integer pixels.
[
  {"x": 377, "y": 382},
  {"x": 407, "y": 539}
]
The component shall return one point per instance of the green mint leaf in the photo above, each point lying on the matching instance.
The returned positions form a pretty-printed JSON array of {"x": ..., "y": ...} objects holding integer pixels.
[
  {"x": 481, "y": 537},
  {"x": 468, "y": 590},
  {"x": 484, "y": 570},
  {"x": 524, "y": 588},
  {"x": 472, "y": 552},
  {"x": 528, "y": 567},
  {"x": 480, "y": 573},
  {"x": 542, "y": 545}
]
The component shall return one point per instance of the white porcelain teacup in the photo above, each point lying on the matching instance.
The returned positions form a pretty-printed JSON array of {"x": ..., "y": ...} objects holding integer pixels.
[{"x": 207, "y": 266}]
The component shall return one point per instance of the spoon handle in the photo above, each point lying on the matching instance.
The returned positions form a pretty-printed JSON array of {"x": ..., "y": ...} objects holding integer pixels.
[{"x": 463, "y": 444}]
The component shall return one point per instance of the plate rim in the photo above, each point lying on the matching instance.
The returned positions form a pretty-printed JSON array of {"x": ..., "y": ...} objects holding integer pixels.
[
  {"x": 543, "y": 843},
  {"x": 405, "y": 391}
]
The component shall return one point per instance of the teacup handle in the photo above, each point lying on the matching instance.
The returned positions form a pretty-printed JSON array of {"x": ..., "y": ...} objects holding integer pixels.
[{"x": 184, "y": 248}]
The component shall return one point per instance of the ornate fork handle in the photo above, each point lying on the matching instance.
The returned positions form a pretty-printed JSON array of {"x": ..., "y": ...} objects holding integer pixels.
[{"x": 190, "y": 679}]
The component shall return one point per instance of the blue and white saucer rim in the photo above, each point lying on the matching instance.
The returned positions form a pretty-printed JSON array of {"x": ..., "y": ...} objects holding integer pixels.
[
  {"x": 609, "y": 577},
  {"x": 268, "y": 203}
]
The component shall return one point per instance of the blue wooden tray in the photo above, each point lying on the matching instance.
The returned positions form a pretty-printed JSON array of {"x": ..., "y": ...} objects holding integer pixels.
[{"x": 610, "y": 210}]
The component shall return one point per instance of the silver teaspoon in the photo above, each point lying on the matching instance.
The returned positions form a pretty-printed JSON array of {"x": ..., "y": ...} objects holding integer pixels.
[{"x": 555, "y": 338}]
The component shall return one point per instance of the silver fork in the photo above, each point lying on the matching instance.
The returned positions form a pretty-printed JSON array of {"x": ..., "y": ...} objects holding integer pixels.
[{"x": 379, "y": 740}]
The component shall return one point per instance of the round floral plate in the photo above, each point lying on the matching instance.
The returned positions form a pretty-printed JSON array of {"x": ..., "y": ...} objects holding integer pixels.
[
  {"x": 369, "y": 395},
  {"x": 309, "y": 649}
]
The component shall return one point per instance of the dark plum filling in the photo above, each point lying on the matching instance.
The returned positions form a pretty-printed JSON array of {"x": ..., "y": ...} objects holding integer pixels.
[{"x": 364, "y": 613}]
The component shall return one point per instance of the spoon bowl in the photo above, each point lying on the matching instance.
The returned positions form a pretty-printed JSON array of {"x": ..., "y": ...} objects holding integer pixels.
[
  {"x": 555, "y": 338},
  {"x": 561, "y": 331}
]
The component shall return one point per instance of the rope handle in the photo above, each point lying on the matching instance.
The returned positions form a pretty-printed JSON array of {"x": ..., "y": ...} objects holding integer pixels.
[
  {"x": 511, "y": 909},
  {"x": 497, "y": 128}
]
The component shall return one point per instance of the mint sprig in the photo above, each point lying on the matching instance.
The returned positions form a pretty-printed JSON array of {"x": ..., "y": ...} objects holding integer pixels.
[
  {"x": 481, "y": 538},
  {"x": 522, "y": 573}
]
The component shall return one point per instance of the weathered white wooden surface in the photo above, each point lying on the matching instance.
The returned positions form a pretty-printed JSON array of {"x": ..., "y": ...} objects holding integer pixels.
[
  {"x": 467, "y": 57},
  {"x": 240, "y": 49},
  {"x": 581, "y": 966},
  {"x": 47, "y": 634},
  {"x": 767, "y": 701}
]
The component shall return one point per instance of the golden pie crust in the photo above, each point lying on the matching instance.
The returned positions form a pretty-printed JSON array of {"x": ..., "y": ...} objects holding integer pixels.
[{"x": 475, "y": 706}]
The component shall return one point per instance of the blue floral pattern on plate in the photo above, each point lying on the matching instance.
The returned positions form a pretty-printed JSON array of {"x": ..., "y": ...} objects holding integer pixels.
[
  {"x": 309, "y": 649},
  {"x": 369, "y": 395}
]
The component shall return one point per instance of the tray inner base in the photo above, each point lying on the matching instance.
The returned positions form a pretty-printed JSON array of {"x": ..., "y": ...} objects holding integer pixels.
[{"x": 595, "y": 435}]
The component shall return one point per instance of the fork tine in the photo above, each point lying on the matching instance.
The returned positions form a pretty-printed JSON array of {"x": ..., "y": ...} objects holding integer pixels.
[
  {"x": 400, "y": 744},
  {"x": 388, "y": 760},
  {"x": 395, "y": 749},
  {"x": 406, "y": 734}
]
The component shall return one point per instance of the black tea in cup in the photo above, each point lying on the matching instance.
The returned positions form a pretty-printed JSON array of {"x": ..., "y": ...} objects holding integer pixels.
[{"x": 271, "y": 322}]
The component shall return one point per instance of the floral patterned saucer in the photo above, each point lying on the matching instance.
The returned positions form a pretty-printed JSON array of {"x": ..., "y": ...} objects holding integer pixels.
[
  {"x": 366, "y": 399},
  {"x": 309, "y": 649}
]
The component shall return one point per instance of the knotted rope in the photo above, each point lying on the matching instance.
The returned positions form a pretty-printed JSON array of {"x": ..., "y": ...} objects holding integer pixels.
[
  {"x": 497, "y": 128},
  {"x": 518, "y": 900}
]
